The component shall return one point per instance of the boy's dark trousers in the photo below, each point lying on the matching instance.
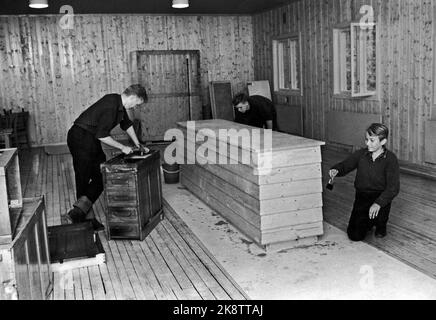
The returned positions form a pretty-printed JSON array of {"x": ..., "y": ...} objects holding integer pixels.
[
  {"x": 360, "y": 222},
  {"x": 87, "y": 156}
]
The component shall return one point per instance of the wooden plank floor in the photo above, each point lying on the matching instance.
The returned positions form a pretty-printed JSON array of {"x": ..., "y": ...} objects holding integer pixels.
[
  {"x": 171, "y": 263},
  {"x": 412, "y": 224}
]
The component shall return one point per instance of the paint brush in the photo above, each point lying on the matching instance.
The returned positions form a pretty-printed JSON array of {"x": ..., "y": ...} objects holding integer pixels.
[{"x": 330, "y": 184}]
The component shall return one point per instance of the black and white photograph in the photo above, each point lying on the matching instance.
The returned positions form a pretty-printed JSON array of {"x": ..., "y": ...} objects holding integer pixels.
[{"x": 217, "y": 155}]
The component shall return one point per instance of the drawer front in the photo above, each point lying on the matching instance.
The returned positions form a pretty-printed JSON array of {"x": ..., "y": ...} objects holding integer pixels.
[
  {"x": 122, "y": 215},
  {"x": 120, "y": 180},
  {"x": 124, "y": 231},
  {"x": 121, "y": 198}
]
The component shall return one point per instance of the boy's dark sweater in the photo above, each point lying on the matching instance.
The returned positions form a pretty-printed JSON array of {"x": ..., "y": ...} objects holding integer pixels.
[{"x": 381, "y": 175}]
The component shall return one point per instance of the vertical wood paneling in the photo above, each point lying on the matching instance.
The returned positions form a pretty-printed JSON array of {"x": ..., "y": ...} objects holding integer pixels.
[
  {"x": 405, "y": 73},
  {"x": 55, "y": 74}
]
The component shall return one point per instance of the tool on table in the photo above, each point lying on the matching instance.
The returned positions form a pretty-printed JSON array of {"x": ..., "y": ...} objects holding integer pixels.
[{"x": 136, "y": 155}]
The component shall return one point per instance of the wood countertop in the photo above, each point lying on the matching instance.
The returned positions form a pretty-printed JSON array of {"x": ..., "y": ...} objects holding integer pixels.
[{"x": 280, "y": 141}]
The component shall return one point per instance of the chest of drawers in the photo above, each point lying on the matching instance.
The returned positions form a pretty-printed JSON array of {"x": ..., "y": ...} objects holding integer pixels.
[{"x": 133, "y": 196}]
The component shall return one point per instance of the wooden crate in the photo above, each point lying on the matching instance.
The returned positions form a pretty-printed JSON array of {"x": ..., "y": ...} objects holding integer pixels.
[
  {"x": 281, "y": 209},
  {"x": 11, "y": 199},
  {"x": 25, "y": 271},
  {"x": 133, "y": 195},
  {"x": 74, "y": 246}
]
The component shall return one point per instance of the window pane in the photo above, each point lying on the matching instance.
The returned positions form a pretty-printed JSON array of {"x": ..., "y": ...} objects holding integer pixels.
[
  {"x": 348, "y": 58},
  {"x": 296, "y": 62},
  {"x": 371, "y": 59},
  {"x": 286, "y": 65},
  {"x": 357, "y": 59},
  {"x": 280, "y": 65},
  {"x": 283, "y": 69}
]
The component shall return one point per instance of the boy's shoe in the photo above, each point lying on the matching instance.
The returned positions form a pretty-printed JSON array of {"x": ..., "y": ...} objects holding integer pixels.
[{"x": 380, "y": 232}]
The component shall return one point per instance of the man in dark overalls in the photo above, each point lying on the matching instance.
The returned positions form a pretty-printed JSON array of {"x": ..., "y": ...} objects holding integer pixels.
[
  {"x": 84, "y": 139},
  {"x": 255, "y": 111}
]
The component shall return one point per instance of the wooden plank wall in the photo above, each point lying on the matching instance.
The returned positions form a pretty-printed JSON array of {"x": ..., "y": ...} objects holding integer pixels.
[
  {"x": 55, "y": 74},
  {"x": 406, "y": 76}
]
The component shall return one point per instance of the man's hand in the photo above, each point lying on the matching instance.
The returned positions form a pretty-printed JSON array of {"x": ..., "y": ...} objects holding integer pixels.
[
  {"x": 126, "y": 150},
  {"x": 142, "y": 148},
  {"x": 373, "y": 211}
]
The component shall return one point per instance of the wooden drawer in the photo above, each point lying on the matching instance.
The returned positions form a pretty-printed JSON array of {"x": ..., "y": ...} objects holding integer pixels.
[
  {"x": 124, "y": 231},
  {"x": 121, "y": 198},
  {"x": 120, "y": 180},
  {"x": 116, "y": 191},
  {"x": 122, "y": 215}
]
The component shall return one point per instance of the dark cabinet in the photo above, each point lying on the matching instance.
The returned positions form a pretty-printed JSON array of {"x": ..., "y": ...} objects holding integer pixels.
[{"x": 133, "y": 195}]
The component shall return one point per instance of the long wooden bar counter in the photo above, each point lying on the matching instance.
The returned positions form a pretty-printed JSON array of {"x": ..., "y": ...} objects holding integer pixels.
[{"x": 279, "y": 206}]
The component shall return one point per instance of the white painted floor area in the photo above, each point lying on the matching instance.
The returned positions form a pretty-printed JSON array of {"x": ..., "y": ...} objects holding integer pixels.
[{"x": 335, "y": 268}]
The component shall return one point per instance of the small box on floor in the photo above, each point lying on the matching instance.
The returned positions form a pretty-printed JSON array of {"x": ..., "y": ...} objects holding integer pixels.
[{"x": 74, "y": 246}]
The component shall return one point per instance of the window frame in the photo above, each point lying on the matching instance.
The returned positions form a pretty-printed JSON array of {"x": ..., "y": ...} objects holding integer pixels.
[
  {"x": 369, "y": 95},
  {"x": 276, "y": 61}
]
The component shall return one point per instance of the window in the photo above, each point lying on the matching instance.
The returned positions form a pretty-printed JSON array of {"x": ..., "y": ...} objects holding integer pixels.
[
  {"x": 287, "y": 64},
  {"x": 355, "y": 60}
]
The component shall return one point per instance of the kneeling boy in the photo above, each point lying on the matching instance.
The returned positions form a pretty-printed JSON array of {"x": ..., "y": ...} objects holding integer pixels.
[{"x": 377, "y": 183}]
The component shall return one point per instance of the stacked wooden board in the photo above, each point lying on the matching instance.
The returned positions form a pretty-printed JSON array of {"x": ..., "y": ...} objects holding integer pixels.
[{"x": 278, "y": 208}]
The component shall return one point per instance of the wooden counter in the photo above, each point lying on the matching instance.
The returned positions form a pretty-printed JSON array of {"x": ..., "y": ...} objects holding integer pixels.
[{"x": 277, "y": 207}]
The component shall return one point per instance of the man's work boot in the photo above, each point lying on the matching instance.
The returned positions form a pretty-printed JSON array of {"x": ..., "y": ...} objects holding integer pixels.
[
  {"x": 95, "y": 223},
  {"x": 80, "y": 209},
  {"x": 76, "y": 215}
]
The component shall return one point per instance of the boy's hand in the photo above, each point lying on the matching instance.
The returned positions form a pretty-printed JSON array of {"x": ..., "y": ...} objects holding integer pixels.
[
  {"x": 373, "y": 211},
  {"x": 333, "y": 173}
]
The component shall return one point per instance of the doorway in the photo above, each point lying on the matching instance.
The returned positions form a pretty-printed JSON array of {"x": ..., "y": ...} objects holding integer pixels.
[{"x": 172, "y": 80}]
